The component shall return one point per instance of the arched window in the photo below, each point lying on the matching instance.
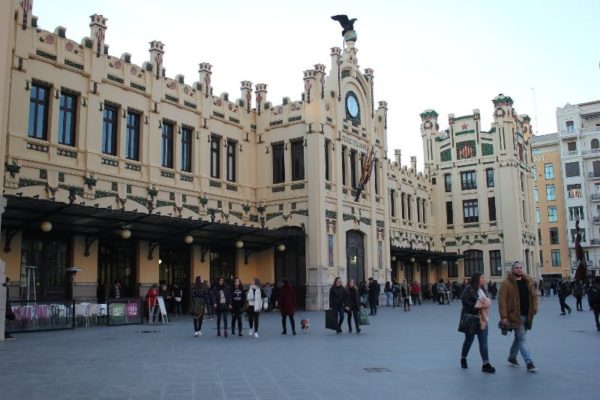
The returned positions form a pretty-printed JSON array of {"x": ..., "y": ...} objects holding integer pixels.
[
  {"x": 473, "y": 262},
  {"x": 595, "y": 144}
]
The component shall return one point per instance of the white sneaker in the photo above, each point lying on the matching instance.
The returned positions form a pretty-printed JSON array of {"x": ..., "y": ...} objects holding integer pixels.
[
  {"x": 199, "y": 333},
  {"x": 196, "y": 334},
  {"x": 250, "y": 332},
  {"x": 256, "y": 334}
]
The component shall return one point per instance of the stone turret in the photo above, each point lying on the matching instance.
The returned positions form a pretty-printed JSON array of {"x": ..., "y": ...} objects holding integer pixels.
[
  {"x": 205, "y": 70},
  {"x": 503, "y": 107},
  {"x": 246, "y": 88},
  {"x": 413, "y": 163},
  {"x": 156, "y": 57},
  {"x": 527, "y": 128},
  {"x": 261, "y": 96},
  {"x": 97, "y": 33},
  {"x": 429, "y": 122},
  {"x": 398, "y": 156}
]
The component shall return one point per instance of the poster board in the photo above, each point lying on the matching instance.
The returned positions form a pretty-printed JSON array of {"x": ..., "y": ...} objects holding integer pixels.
[{"x": 163, "y": 309}]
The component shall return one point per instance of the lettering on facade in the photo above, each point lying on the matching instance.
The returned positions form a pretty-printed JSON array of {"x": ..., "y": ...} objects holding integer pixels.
[{"x": 355, "y": 143}]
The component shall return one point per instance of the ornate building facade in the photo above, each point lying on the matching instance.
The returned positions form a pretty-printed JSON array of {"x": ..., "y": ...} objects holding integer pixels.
[{"x": 120, "y": 172}]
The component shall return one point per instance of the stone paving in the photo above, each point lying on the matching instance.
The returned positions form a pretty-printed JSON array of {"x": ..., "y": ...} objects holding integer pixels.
[{"x": 400, "y": 355}]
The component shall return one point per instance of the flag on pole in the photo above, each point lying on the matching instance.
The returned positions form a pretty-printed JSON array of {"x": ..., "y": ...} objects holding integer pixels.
[{"x": 365, "y": 175}]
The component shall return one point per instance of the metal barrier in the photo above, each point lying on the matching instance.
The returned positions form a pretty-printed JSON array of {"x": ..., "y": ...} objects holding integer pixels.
[
  {"x": 125, "y": 311},
  {"x": 33, "y": 316}
]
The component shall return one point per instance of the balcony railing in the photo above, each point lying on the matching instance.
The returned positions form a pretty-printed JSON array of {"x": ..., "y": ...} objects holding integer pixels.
[
  {"x": 571, "y": 153},
  {"x": 568, "y": 132},
  {"x": 597, "y": 219},
  {"x": 591, "y": 152},
  {"x": 594, "y": 175},
  {"x": 595, "y": 241},
  {"x": 575, "y": 193},
  {"x": 595, "y": 196}
]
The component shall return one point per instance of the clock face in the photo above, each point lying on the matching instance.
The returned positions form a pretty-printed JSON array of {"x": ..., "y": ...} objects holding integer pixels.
[{"x": 352, "y": 105}]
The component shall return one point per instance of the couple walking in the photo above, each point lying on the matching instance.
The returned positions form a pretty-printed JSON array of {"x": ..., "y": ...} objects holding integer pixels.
[{"x": 517, "y": 305}]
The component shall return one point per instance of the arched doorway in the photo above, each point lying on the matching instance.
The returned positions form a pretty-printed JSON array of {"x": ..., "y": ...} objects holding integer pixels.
[
  {"x": 355, "y": 256},
  {"x": 291, "y": 264}
]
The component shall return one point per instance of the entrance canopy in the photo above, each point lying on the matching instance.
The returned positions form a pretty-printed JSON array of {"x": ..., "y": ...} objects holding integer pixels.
[
  {"x": 25, "y": 213},
  {"x": 421, "y": 256}
]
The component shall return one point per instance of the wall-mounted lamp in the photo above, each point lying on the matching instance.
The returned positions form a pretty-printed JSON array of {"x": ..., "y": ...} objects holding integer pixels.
[
  {"x": 281, "y": 247},
  {"x": 145, "y": 120},
  {"x": 267, "y": 150},
  {"x": 241, "y": 149},
  {"x": 83, "y": 102},
  {"x": 125, "y": 234},
  {"x": 209, "y": 139},
  {"x": 56, "y": 93},
  {"x": 239, "y": 244},
  {"x": 27, "y": 85},
  {"x": 46, "y": 226},
  {"x": 188, "y": 239},
  {"x": 428, "y": 261},
  {"x": 412, "y": 259},
  {"x": 286, "y": 146},
  {"x": 124, "y": 114},
  {"x": 159, "y": 124},
  {"x": 101, "y": 106},
  {"x": 393, "y": 258},
  {"x": 305, "y": 143}
]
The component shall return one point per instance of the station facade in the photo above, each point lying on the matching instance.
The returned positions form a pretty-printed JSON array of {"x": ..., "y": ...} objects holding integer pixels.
[{"x": 115, "y": 171}]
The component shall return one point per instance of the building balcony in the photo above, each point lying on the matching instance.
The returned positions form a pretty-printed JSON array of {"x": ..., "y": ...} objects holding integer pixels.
[
  {"x": 569, "y": 133},
  {"x": 597, "y": 219},
  {"x": 595, "y": 242},
  {"x": 572, "y": 153},
  {"x": 591, "y": 153},
  {"x": 595, "y": 196},
  {"x": 575, "y": 194},
  {"x": 594, "y": 175}
]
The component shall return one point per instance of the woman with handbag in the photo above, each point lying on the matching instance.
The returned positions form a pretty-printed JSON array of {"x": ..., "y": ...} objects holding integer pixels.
[
  {"x": 255, "y": 304},
  {"x": 474, "y": 320},
  {"x": 338, "y": 301}
]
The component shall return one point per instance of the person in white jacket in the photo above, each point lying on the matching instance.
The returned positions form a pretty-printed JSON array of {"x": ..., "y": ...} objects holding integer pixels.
[{"x": 255, "y": 304}]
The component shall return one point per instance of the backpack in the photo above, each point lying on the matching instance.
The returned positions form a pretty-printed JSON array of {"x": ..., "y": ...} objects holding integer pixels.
[{"x": 594, "y": 294}]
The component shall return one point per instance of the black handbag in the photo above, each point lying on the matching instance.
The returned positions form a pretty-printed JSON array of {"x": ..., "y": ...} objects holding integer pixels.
[
  {"x": 469, "y": 323},
  {"x": 331, "y": 320}
]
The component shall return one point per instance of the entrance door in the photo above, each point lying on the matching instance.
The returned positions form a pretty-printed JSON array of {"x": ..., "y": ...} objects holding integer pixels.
[
  {"x": 355, "y": 256},
  {"x": 291, "y": 264},
  {"x": 222, "y": 264},
  {"x": 116, "y": 262},
  {"x": 50, "y": 255},
  {"x": 175, "y": 266}
]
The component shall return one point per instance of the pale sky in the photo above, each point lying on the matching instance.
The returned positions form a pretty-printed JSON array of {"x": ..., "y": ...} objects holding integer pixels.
[{"x": 452, "y": 56}]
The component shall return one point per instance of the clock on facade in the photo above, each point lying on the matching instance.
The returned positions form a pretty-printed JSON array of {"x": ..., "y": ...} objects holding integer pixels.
[{"x": 352, "y": 107}]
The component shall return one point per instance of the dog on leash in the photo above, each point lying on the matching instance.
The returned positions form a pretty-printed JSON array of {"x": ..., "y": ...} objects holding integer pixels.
[{"x": 305, "y": 325}]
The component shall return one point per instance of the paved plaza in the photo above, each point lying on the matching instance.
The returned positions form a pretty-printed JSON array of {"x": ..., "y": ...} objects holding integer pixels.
[{"x": 408, "y": 355}]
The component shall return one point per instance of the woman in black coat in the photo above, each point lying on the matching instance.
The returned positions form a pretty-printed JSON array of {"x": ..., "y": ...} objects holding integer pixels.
[
  {"x": 222, "y": 303},
  {"x": 338, "y": 301},
  {"x": 353, "y": 305}
]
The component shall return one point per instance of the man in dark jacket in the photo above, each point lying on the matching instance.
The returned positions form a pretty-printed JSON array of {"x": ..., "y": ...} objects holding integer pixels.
[
  {"x": 374, "y": 290},
  {"x": 287, "y": 305},
  {"x": 594, "y": 299},
  {"x": 564, "y": 290},
  {"x": 518, "y": 304}
]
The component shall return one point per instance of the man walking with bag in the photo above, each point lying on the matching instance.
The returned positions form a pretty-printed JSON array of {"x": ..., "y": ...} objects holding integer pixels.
[{"x": 518, "y": 305}]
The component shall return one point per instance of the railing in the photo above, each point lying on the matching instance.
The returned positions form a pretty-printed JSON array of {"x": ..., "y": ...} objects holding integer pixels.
[
  {"x": 591, "y": 152},
  {"x": 568, "y": 132},
  {"x": 594, "y": 175},
  {"x": 570, "y": 153},
  {"x": 41, "y": 316},
  {"x": 595, "y": 196},
  {"x": 597, "y": 219},
  {"x": 595, "y": 241},
  {"x": 575, "y": 193}
]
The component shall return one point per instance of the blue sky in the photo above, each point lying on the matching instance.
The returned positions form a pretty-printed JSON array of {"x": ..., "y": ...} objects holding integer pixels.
[{"x": 452, "y": 56}]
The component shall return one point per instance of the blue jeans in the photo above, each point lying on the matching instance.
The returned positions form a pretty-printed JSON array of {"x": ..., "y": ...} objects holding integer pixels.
[
  {"x": 389, "y": 297},
  {"x": 519, "y": 343},
  {"x": 340, "y": 313},
  {"x": 482, "y": 335}
]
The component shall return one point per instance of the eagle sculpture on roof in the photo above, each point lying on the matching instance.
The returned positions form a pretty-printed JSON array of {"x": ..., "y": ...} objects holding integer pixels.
[{"x": 347, "y": 24}]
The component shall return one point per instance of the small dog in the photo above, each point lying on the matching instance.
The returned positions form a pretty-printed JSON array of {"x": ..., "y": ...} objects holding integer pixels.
[{"x": 305, "y": 324}]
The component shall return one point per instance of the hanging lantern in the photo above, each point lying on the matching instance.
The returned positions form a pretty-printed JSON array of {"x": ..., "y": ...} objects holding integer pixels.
[{"x": 46, "y": 226}]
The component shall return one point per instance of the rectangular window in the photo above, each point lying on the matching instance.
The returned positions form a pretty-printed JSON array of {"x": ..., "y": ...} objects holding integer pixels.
[
  {"x": 574, "y": 233},
  {"x": 548, "y": 171},
  {"x": 534, "y": 173},
  {"x": 572, "y": 169},
  {"x": 492, "y": 208},
  {"x": 38, "y": 111},
  {"x": 166, "y": 154},
  {"x": 574, "y": 191},
  {"x": 536, "y": 197},
  {"x": 468, "y": 180},
  {"x": 448, "y": 182},
  {"x": 541, "y": 257},
  {"x": 376, "y": 176},
  {"x": 495, "y": 263},
  {"x": 470, "y": 211},
  {"x": 67, "y": 118},
  {"x": 539, "y": 237},
  {"x": 555, "y": 258},
  {"x": 409, "y": 207},
  {"x": 424, "y": 209},
  {"x": 215, "y": 157},
  {"x": 278, "y": 163},
  {"x": 449, "y": 213},
  {"x": 132, "y": 136},
  {"x": 537, "y": 215},
  {"x": 489, "y": 177},
  {"x": 550, "y": 193},
  {"x": 552, "y": 215},
  {"x": 572, "y": 146},
  {"x": 353, "y": 178},
  {"x": 109, "y": 130},
  {"x": 576, "y": 213},
  {"x": 231, "y": 164},
  {"x": 186, "y": 149},
  {"x": 554, "y": 236},
  {"x": 570, "y": 126},
  {"x": 327, "y": 146},
  {"x": 452, "y": 269},
  {"x": 344, "y": 152},
  {"x": 392, "y": 203},
  {"x": 297, "y": 160},
  {"x": 402, "y": 205}
]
